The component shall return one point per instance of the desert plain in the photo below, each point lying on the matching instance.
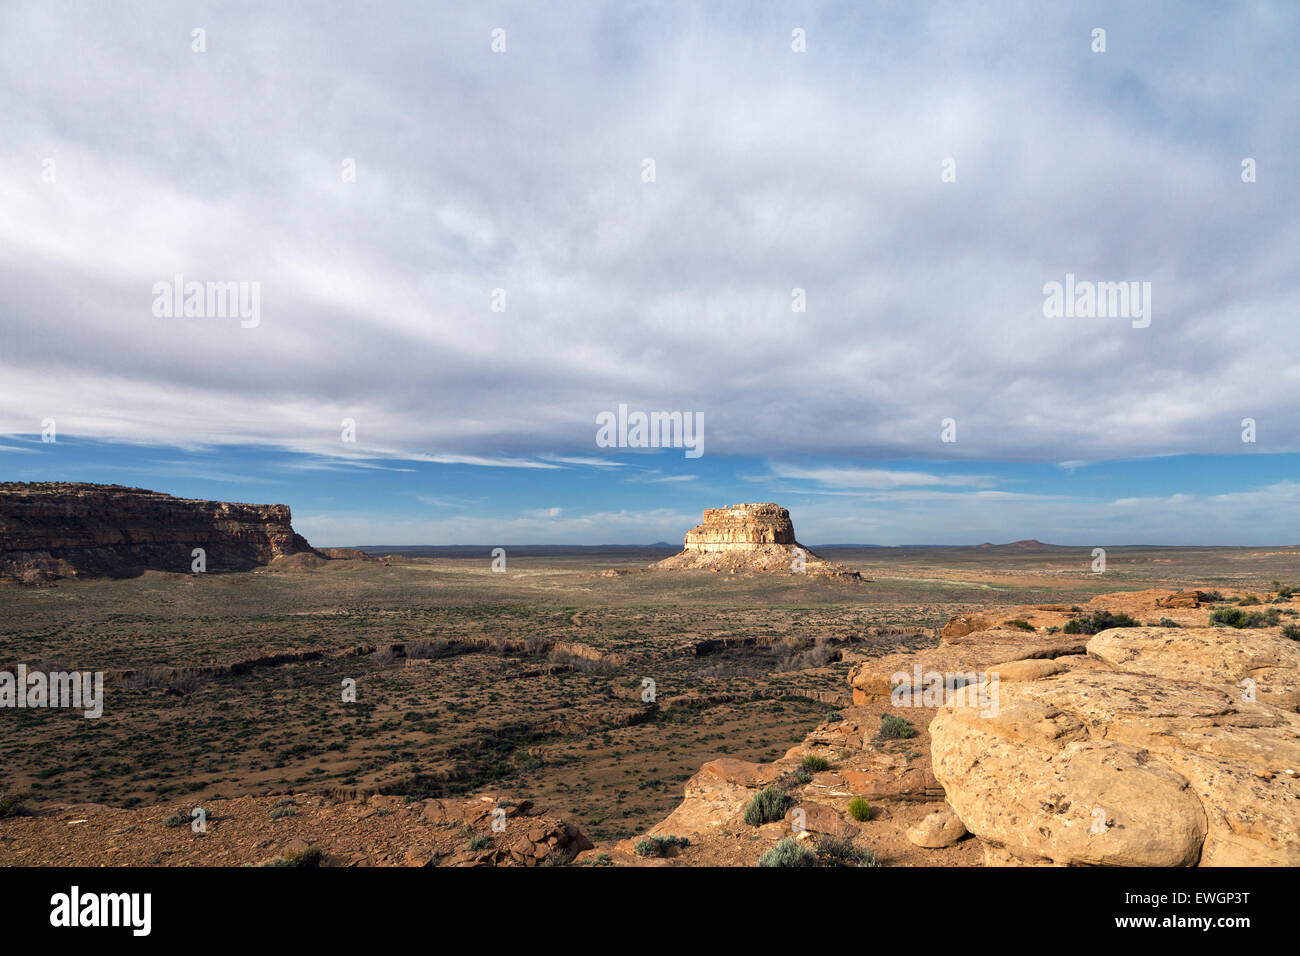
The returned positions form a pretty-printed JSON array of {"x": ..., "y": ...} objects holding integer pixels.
[{"x": 525, "y": 689}]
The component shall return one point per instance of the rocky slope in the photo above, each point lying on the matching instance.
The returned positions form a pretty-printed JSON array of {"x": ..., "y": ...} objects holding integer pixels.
[
  {"x": 55, "y": 529},
  {"x": 749, "y": 537},
  {"x": 1168, "y": 745},
  {"x": 280, "y": 831}
]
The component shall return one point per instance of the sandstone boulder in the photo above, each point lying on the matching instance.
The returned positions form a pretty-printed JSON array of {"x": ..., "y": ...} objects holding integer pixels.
[
  {"x": 938, "y": 830},
  {"x": 560, "y": 842},
  {"x": 811, "y": 817},
  {"x": 1156, "y": 755},
  {"x": 960, "y": 660}
]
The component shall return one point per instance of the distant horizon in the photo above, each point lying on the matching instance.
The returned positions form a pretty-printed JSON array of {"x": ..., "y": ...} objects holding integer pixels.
[
  {"x": 660, "y": 545},
  {"x": 879, "y": 277},
  {"x": 627, "y": 498}
]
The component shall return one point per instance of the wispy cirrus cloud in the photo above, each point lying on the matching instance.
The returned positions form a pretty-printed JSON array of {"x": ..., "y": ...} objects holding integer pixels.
[
  {"x": 588, "y": 462},
  {"x": 843, "y": 477},
  {"x": 341, "y": 464}
]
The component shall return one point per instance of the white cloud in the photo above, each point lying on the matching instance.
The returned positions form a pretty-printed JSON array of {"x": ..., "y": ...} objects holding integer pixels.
[
  {"x": 924, "y": 298},
  {"x": 874, "y": 477},
  {"x": 589, "y": 462}
]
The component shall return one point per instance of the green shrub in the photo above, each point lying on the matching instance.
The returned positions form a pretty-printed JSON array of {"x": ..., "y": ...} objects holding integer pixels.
[
  {"x": 839, "y": 851},
  {"x": 173, "y": 821},
  {"x": 825, "y": 851},
  {"x": 1235, "y": 617},
  {"x": 859, "y": 809},
  {"x": 794, "y": 778},
  {"x": 789, "y": 852},
  {"x": 1023, "y": 625},
  {"x": 814, "y": 763},
  {"x": 1229, "y": 617},
  {"x": 658, "y": 845},
  {"x": 1290, "y": 630},
  {"x": 11, "y": 803},
  {"x": 1099, "y": 621},
  {"x": 893, "y": 727},
  {"x": 310, "y": 857},
  {"x": 282, "y": 812},
  {"x": 481, "y": 842},
  {"x": 1247, "y": 601},
  {"x": 1213, "y": 597},
  {"x": 767, "y": 806}
]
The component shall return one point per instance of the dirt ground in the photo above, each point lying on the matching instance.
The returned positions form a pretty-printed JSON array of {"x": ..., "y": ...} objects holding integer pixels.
[{"x": 529, "y": 684}]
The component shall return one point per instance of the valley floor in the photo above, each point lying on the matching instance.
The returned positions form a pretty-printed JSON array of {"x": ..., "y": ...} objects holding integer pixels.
[{"x": 227, "y": 692}]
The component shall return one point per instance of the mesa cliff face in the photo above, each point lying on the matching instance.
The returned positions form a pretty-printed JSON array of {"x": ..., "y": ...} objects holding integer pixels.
[
  {"x": 741, "y": 527},
  {"x": 749, "y": 537},
  {"x": 70, "y": 529}
]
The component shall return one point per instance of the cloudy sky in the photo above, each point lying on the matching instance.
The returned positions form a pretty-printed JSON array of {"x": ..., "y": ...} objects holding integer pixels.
[{"x": 470, "y": 253}]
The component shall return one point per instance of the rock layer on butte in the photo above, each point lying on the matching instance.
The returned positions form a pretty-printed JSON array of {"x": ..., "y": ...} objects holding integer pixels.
[
  {"x": 66, "y": 529},
  {"x": 749, "y": 537}
]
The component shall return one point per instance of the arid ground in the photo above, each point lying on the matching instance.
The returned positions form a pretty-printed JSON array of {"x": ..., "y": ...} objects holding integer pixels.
[{"x": 528, "y": 682}]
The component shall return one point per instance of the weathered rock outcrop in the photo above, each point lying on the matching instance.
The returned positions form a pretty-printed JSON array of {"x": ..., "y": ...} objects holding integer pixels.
[
  {"x": 750, "y": 537},
  {"x": 1160, "y": 747},
  {"x": 54, "y": 529},
  {"x": 348, "y": 554},
  {"x": 1146, "y": 746}
]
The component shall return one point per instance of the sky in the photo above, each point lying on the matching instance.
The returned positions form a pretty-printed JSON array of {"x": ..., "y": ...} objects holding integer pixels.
[{"x": 826, "y": 231}]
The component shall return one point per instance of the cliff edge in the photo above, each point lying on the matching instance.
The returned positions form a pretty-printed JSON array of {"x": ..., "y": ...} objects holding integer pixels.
[{"x": 54, "y": 530}]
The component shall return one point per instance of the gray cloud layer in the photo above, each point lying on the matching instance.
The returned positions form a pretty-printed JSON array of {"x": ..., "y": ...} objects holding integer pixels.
[{"x": 775, "y": 170}]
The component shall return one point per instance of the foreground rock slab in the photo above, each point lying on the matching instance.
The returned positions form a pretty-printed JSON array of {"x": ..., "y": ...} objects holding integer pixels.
[{"x": 1161, "y": 747}]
